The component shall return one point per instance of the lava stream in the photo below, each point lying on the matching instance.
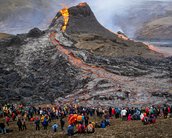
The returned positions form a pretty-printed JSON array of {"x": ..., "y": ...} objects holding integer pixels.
[
  {"x": 65, "y": 14},
  {"x": 77, "y": 62}
]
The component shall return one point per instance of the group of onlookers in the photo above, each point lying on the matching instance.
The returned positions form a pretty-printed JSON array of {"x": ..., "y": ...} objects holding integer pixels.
[{"x": 78, "y": 117}]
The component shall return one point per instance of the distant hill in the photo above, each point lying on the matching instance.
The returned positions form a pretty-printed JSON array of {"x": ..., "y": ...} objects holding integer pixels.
[
  {"x": 4, "y": 35},
  {"x": 157, "y": 27}
]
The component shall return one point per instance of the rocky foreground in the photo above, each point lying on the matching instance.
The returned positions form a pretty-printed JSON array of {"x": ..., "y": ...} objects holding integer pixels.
[{"x": 86, "y": 64}]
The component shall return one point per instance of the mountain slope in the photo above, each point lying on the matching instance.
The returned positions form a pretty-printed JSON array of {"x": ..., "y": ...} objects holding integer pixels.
[{"x": 50, "y": 66}]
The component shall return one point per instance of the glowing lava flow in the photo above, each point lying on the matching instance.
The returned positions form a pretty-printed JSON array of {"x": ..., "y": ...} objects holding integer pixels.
[
  {"x": 77, "y": 62},
  {"x": 122, "y": 36},
  {"x": 152, "y": 47},
  {"x": 65, "y": 14}
]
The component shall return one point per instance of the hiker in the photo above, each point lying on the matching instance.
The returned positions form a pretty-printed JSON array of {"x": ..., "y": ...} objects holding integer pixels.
[
  {"x": 90, "y": 128},
  {"x": 107, "y": 119},
  {"x": 23, "y": 124},
  {"x": 2, "y": 128},
  {"x": 7, "y": 120},
  {"x": 117, "y": 111},
  {"x": 145, "y": 120},
  {"x": 110, "y": 111},
  {"x": 45, "y": 123},
  {"x": 19, "y": 124},
  {"x": 13, "y": 116},
  {"x": 55, "y": 127},
  {"x": 103, "y": 124},
  {"x": 62, "y": 123},
  {"x": 124, "y": 114},
  {"x": 152, "y": 119},
  {"x": 97, "y": 125},
  {"x": 165, "y": 111},
  {"x": 169, "y": 111},
  {"x": 129, "y": 117},
  {"x": 147, "y": 111},
  {"x": 70, "y": 130},
  {"x": 113, "y": 111},
  {"x": 37, "y": 123},
  {"x": 86, "y": 119},
  {"x": 80, "y": 128}
]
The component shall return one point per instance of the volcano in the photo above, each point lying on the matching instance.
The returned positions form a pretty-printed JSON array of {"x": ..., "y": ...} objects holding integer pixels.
[
  {"x": 89, "y": 34},
  {"x": 77, "y": 59}
]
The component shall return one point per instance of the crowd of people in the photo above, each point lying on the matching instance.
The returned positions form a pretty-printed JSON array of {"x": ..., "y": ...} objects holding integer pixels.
[{"x": 77, "y": 118}]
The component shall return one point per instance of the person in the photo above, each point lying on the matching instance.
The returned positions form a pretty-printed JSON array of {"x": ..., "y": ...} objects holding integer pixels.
[
  {"x": 2, "y": 128},
  {"x": 19, "y": 124},
  {"x": 23, "y": 124},
  {"x": 129, "y": 117},
  {"x": 117, "y": 111},
  {"x": 152, "y": 119},
  {"x": 79, "y": 127},
  {"x": 145, "y": 120},
  {"x": 86, "y": 119},
  {"x": 110, "y": 111},
  {"x": 113, "y": 111},
  {"x": 97, "y": 125},
  {"x": 45, "y": 123},
  {"x": 90, "y": 128},
  {"x": 37, "y": 123},
  {"x": 103, "y": 124},
  {"x": 169, "y": 111},
  {"x": 62, "y": 123},
  {"x": 7, "y": 119},
  {"x": 13, "y": 116},
  {"x": 70, "y": 130},
  {"x": 124, "y": 114},
  {"x": 55, "y": 127},
  {"x": 165, "y": 111}
]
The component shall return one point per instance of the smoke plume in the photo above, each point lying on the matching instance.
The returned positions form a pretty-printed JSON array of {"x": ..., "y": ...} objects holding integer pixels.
[{"x": 115, "y": 15}]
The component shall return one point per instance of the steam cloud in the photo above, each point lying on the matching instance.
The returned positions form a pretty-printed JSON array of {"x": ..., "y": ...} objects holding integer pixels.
[
  {"x": 40, "y": 12},
  {"x": 109, "y": 12}
]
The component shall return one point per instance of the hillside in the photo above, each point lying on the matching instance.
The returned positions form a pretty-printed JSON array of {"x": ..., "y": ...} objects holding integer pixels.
[
  {"x": 159, "y": 29},
  {"x": 4, "y": 35},
  {"x": 55, "y": 65}
]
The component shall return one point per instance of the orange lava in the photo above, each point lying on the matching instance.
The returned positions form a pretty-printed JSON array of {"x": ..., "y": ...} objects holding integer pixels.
[
  {"x": 65, "y": 14},
  {"x": 152, "y": 47},
  {"x": 122, "y": 36}
]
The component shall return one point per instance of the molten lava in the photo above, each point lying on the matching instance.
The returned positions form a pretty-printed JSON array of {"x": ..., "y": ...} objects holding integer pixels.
[
  {"x": 152, "y": 47},
  {"x": 65, "y": 14},
  {"x": 122, "y": 36}
]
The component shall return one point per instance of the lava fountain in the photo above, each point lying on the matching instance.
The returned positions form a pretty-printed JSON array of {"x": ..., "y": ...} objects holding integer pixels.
[{"x": 65, "y": 14}]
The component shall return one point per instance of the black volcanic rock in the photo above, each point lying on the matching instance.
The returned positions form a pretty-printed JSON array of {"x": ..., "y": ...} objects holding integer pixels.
[
  {"x": 37, "y": 71},
  {"x": 83, "y": 20},
  {"x": 35, "y": 32}
]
